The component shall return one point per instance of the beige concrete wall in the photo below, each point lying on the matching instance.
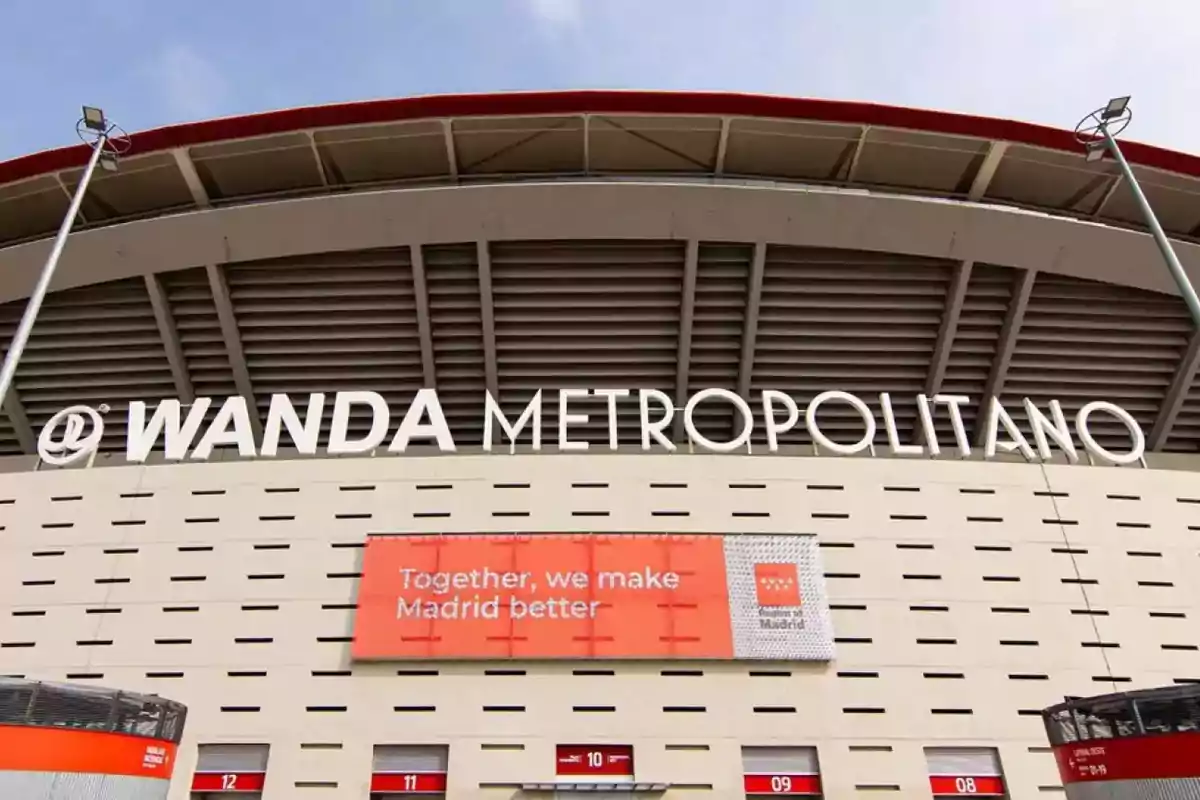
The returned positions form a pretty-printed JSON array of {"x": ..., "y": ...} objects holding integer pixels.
[{"x": 1132, "y": 531}]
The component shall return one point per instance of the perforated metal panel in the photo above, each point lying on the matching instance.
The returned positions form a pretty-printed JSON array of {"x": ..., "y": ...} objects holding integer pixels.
[
  {"x": 410, "y": 758},
  {"x": 975, "y": 761},
  {"x": 232, "y": 758},
  {"x": 780, "y": 760},
  {"x": 799, "y": 632}
]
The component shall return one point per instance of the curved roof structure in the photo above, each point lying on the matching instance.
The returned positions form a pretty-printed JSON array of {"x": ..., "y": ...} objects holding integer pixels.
[{"x": 632, "y": 239}]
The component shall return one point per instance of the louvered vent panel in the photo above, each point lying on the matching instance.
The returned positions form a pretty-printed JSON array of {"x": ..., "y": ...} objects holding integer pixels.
[
  {"x": 1085, "y": 340},
  {"x": 329, "y": 323},
  {"x": 840, "y": 319},
  {"x": 452, "y": 284},
  {"x": 722, "y": 281},
  {"x": 92, "y": 345},
  {"x": 586, "y": 314},
  {"x": 985, "y": 305}
]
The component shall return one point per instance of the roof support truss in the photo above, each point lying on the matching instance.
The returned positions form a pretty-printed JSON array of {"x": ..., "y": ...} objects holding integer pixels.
[
  {"x": 19, "y": 421},
  {"x": 687, "y": 313},
  {"x": 63, "y": 185},
  {"x": 233, "y": 342},
  {"x": 722, "y": 147},
  {"x": 170, "y": 338},
  {"x": 587, "y": 144},
  {"x": 1113, "y": 185},
  {"x": 488, "y": 313},
  {"x": 322, "y": 173},
  {"x": 1005, "y": 346},
  {"x": 856, "y": 156},
  {"x": 750, "y": 318},
  {"x": 424, "y": 329},
  {"x": 451, "y": 149},
  {"x": 191, "y": 177},
  {"x": 1185, "y": 373},
  {"x": 987, "y": 171}
]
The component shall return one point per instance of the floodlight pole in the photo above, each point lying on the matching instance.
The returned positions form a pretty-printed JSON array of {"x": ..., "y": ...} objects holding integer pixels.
[
  {"x": 15, "y": 350},
  {"x": 1160, "y": 238}
]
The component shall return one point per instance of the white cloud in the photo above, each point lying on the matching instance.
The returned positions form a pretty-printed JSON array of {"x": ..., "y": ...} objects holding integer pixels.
[
  {"x": 190, "y": 85},
  {"x": 555, "y": 16}
]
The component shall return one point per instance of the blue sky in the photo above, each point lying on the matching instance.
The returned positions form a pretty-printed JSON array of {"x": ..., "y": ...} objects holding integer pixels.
[{"x": 153, "y": 62}]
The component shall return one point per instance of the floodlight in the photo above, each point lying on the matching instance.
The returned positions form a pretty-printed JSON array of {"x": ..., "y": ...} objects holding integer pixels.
[
  {"x": 1115, "y": 108},
  {"x": 108, "y": 162},
  {"x": 1095, "y": 150},
  {"x": 94, "y": 119}
]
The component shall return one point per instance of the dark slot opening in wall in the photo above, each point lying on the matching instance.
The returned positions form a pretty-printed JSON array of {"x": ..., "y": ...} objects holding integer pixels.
[
  {"x": 273, "y": 546},
  {"x": 357, "y": 488},
  {"x": 207, "y": 492},
  {"x": 195, "y": 548},
  {"x": 281, "y": 489},
  {"x": 510, "y": 485},
  {"x": 434, "y": 487}
]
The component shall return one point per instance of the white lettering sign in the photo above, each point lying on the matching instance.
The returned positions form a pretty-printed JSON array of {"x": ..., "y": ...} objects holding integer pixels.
[{"x": 75, "y": 433}]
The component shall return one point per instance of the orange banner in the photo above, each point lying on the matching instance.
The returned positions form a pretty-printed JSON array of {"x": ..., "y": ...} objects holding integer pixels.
[
  {"x": 544, "y": 596},
  {"x": 31, "y": 749}
]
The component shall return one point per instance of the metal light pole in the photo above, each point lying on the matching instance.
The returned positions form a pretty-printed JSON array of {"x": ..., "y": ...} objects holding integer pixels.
[
  {"x": 107, "y": 142},
  {"x": 1097, "y": 133}
]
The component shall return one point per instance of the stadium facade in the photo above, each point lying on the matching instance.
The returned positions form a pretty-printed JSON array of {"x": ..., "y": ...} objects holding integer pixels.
[{"x": 681, "y": 445}]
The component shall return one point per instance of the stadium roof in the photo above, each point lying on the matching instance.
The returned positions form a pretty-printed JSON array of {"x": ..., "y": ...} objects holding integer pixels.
[
  {"x": 462, "y": 138},
  {"x": 636, "y": 239}
]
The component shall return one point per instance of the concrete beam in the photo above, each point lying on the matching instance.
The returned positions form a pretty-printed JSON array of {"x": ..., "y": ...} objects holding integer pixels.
[
  {"x": 750, "y": 318},
  {"x": 169, "y": 334},
  {"x": 233, "y": 342},
  {"x": 424, "y": 326},
  {"x": 1185, "y": 373},
  {"x": 487, "y": 310},
  {"x": 687, "y": 313},
  {"x": 1005, "y": 346}
]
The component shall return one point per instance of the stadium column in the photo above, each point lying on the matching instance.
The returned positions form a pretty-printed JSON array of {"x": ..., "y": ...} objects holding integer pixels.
[
  {"x": 1005, "y": 346},
  {"x": 169, "y": 334},
  {"x": 750, "y": 325},
  {"x": 488, "y": 316},
  {"x": 955, "y": 295},
  {"x": 233, "y": 343},
  {"x": 687, "y": 310},
  {"x": 19, "y": 421},
  {"x": 1172, "y": 402},
  {"x": 424, "y": 329}
]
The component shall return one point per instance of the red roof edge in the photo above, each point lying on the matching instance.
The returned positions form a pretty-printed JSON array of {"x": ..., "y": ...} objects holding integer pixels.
[{"x": 591, "y": 101}]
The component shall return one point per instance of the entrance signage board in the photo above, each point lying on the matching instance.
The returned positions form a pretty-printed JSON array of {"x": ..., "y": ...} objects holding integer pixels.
[
  {"x": 184, "y": 432},
  {"x": 591, "y": 595}
]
